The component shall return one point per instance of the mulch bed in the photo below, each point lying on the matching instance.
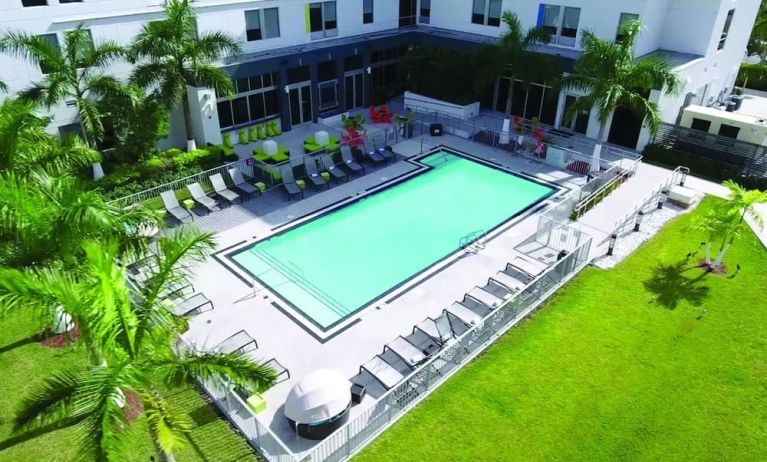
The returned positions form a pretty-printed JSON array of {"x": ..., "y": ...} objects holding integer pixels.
[
  {"x": 133, "y": 407},
  {"x": 60, "y": 340}
]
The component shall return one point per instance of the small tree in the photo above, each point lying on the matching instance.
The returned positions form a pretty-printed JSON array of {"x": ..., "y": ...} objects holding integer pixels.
[
  {"x": 172, "y": 56},
  {"x": 610, "y": 77},
  {"x": 72, "y": 73}
]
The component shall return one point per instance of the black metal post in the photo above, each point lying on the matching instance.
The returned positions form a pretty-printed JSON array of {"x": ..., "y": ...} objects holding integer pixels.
[{"x": 611, "y": 246}]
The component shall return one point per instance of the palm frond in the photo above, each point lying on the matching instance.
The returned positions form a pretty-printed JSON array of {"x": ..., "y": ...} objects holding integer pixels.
[
  {"x": 33, "y": 48},
  {"x": 53, "y": 400},
  {"x": 212, "y": 77},
  {"x": 166, "y": 426},
  {"x": 214, "y": 45},
  {"x": 239, "y": 369}
]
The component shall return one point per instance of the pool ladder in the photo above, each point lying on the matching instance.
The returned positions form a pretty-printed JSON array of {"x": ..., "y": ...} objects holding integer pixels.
[{"x": 473, "y": 242}]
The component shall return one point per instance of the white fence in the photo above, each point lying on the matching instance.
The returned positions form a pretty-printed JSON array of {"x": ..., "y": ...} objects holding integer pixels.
[{"x": 359, "y": 431}]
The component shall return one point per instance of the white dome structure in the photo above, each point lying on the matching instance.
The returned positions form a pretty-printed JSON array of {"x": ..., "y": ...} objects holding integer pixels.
[{"x": 319, "y": 403}]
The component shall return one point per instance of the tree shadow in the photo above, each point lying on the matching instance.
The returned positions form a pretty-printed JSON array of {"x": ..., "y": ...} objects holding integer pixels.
[
  {"x": 671, "y": 286},
  {"x": 21, "y": 342},
  {"x": 19, "y": 438}
]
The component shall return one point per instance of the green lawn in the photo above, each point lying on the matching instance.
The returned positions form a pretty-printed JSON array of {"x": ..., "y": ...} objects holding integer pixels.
[
  {"x": 653, "y": 360},
  {"x": 24, "y": 362}
]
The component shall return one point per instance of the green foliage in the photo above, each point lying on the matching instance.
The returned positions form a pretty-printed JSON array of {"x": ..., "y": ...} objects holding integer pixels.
[
  {"x": 610, "y": 77},
  {"x": 355, "y": 122},
  {"x": 753, "y": 76},
  {"x": 652, "y": 360},
  {"x": 161, "y": 168}
]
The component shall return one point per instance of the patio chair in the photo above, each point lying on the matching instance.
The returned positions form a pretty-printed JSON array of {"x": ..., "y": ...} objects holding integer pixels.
[
  {"x": 409, "y": 353},
  {"x": 348, "y": 158},
  {"x": 507, "y": 280},
  {"x": 240, "y": 184},
  {"x": 170, "y": 202},
  {"x": 383, "y": 372},
  {"x": 238, "y": 342},
  {"x": 372, "y": 154},
  {"x": 219, "y": 186},
  {"x": 465, "y": 314},
  {"x": 290, "y": 182},
  {"x": 176, "y": 289},
  {"x": 386, "y": 152},
  {"x": 485, "y": 297},
  {"x": 375, "y": 116},
  {"x": 330, "y": 167},
  {"x": 310, "y": 164},
  {"x": 526, "y": 267},
  {"x": 199, "y": 196},
  {"x": 283, "y": 373},
  {"x": 196, "y": 304}
]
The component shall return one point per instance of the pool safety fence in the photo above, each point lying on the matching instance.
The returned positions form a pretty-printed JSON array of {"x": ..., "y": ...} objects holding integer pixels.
[{"x": 363, "y": 428}]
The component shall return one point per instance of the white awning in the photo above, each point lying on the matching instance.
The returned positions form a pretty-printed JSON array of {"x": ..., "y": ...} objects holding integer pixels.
[{"x": 322, "y": 394}]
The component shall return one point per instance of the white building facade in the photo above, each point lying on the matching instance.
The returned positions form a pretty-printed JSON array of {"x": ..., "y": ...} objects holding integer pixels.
[{"x": 305, "y": 59}]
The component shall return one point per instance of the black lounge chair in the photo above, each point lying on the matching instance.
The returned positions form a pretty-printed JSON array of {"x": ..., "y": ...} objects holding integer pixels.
[
  {"x": 310, "y": 164},
  {"x": 240, "y": 342},
  {"x": 387, "y": 153},
  {"x": 199, "y": 196},
  {"x": 240, "y": 184},
  {"x": 290, "y": 182},
  {"x": 348, "y": 158},
  {"x": 330, "y": 167},
  {"x": 196, "y": 304},
  {"x": 283, "y": 373},
  {"x": 372, "y": 154}
]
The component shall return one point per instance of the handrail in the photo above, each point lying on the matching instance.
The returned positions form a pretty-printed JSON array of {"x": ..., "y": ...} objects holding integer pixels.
[
  {"x": 647, "y": 199},
  {"x": 595, "y": 197}
]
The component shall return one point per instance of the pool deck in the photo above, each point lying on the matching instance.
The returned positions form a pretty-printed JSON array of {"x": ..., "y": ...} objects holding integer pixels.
[{"x": 238, "y": 306}]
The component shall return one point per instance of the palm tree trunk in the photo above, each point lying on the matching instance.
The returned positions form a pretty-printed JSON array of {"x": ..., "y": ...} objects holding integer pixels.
[
  {"x": 189, "y": 130},
  {"x": 721, "y": 255},
  {"x": 708, "y": 253},
  {"x": 601, "y": 134},
  {"x": 509, "y": 95}
]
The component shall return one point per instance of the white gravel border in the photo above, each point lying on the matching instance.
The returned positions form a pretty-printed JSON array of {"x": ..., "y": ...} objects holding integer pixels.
[{"x": 629, "y": 240}]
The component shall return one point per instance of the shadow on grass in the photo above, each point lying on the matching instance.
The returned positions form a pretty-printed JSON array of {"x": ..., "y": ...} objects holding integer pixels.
[
  {"x": 19, "y": 438},
  {"x": 670, "y": 285},
  {"x": 21, "y": 342}
]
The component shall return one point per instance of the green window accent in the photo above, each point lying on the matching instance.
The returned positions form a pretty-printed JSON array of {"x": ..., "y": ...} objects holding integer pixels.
[{"x": 306, "y": 18}]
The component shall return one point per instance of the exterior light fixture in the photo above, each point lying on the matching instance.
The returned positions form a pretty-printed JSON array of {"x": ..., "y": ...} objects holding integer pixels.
[
  {"x": 287, "y": 90},
  {"x": 663, "y": 198},
  {"x": 369, "y": 70},
  {"x": 640, "y": 217},
  {"x": 611, "y": 246}
]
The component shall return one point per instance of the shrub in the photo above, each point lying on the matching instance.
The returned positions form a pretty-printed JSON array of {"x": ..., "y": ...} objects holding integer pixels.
[{"x": 753, "y": 76}]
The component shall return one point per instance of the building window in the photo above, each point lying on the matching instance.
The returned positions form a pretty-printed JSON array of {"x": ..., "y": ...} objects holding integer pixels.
[
  {"x": 730, "y": 131},
  {"x": 26, "y": 3},
  {"x": 622, "y": 23},
  {"x": 54, "y": 41},
  {"x": 255, "y": 99},
  {"x": 407, "y": 12},
  {"x": 726, "y": 30},
  {"x": 367, "y": 11},
  {"x": 561, "y": 22},
  {"x": 487, "y": 12},
  {"x": 424, "y": 16},
  {"x": 262, "y": 24},
  {"x": 322, "y": 19},
  {"x": 700, "y": 124},
  {"x": 327, "y": 76}
]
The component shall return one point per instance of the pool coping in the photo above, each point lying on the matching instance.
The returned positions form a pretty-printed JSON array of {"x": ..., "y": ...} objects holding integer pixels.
[{"x": 324, "y": 334}]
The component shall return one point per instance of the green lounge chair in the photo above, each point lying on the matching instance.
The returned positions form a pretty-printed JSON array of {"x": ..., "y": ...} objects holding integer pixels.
[
  {"x": 253, "y": 134},
  {"x": 243, "y": 137},
  {"x": 261, "y": 132}
]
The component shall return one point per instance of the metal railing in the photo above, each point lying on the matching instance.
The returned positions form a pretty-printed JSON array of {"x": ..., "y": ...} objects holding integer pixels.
[
  {"x": 677, "y": 177},
  {"x": 602, "y": 186},
  {"x": 359, "y": 431},
  {"x": 245, "y": 166}
]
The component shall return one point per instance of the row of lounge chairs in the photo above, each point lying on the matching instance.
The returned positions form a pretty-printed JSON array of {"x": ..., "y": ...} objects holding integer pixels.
[
  {"x": 244, "y": 343},
  {"x": 220, "y": 194},
  {"x": 405, "y": 354},
  {"x": 315, "y": 166}
]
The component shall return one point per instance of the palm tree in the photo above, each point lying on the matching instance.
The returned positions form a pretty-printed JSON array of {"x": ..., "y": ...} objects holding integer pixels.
[
  {"x": 740, "y": 204},
  {"x": 72, "y": 73},
  {"x": 172, "y": 56},
  {"x": 610, "y": 77},
  {"x": 45, "y": 218},
  {"x": 132, "y": 337},
  {"x": 26, "y": 146},
  {"x": 513, "y": 55}
]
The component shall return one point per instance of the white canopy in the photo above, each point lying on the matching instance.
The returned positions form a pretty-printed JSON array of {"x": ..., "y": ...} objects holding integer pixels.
[{"x": 322, "y": 394}]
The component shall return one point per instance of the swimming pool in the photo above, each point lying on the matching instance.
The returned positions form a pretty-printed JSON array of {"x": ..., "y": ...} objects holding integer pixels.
[{"x": 331, "y": 267}]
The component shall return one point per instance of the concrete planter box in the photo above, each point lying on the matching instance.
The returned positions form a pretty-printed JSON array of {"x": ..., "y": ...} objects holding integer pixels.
[{"x": 424, "y": 103}]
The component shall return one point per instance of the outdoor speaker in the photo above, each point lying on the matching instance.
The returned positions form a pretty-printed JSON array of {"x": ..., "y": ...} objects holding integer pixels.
[{"x": 435, "y": 129}]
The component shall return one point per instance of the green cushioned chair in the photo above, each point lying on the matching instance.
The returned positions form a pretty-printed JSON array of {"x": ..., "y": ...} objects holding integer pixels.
[
  {"x": 282, "y": 155},
  {"x": 243, "y": 137},
  {"x": 333, "y": 146},
  {"x": 253, "y": 134},
  {"x": 261, "y": 132},
  {"x": 228, "y": 140}
]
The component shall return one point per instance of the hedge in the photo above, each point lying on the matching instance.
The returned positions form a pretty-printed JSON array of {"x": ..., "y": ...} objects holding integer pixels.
[
  {"x": 164, "y": 167},
  {"x": 753, "y": 76}
]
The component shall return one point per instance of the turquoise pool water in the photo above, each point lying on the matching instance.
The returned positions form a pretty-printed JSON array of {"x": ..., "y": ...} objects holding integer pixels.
[{"x": 331, "y": 267}]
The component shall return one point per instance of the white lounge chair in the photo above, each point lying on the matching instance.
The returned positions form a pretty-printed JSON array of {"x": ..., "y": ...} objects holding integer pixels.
[
  {"x": 170, "y": 202},
  {"x": 219, "y": 186}
]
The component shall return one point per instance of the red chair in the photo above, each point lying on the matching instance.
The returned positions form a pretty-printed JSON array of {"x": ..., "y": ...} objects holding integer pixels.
[
  {"x": 385, "y": 114},
  {"x": 374, "y": 115}
]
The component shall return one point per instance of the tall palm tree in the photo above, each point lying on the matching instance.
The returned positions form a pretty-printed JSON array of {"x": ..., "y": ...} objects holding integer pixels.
[
  {"x": 133, "y": 335},
  {"x": 513, "y": 56},
  {"x": 47, "y": 218},
  {"x": 171, "y": 56},
  {"x": 740, "y": 204},
  {"x": 610, "y": 77},
  {"x": 26, "y": 146},
  {"x": 74, "y": 72}
]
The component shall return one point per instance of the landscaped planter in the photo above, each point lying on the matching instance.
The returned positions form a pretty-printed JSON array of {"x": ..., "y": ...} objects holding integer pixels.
[{"x": 424, "y": 103}]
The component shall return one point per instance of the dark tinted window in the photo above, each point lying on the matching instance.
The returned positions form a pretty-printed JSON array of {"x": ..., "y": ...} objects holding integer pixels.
[
  {"x": 729, "y": 131},
  {"x": 700, "y": 124}
]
